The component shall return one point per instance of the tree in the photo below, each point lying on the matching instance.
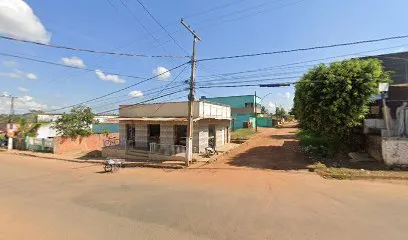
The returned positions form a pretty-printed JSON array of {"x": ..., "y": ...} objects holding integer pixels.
[
  {"x": 264, "y": 110},
  {"x": 280, "y": 112},
  {"x": 333, "y": 99},
  {"x": 76, "y": 123},
  {"x": 26, "y": 129}
]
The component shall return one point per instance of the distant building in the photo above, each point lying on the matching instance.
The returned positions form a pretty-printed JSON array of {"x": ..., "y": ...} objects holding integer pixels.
[
  {"x": 103, "y": 123},
  {"x": 243, "y": 109}
]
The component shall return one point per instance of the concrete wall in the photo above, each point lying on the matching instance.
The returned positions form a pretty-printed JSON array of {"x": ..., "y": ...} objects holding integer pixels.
[
  {"x": 167, "y": 136},
  {"x": 95, "y": 142},
  {"x": 175, "y": 109},
  {"x": 234, "y": 101},
  {"x": 46, "y": 131},
  {"x": 395, "y": 151}
]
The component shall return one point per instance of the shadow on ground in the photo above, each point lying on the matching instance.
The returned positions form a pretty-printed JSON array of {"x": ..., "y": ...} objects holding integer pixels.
[{"x": 284, "y": 157}]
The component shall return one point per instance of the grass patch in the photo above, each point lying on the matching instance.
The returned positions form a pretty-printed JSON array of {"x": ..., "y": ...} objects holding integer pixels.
[
  {"x": 243, "y": 133},
  {"x": 316, "y": 145},
  {"x": 349, "y": 173}
]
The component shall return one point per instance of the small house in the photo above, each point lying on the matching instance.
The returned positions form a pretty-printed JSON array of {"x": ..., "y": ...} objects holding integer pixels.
[{"x": 143, "y": 126}]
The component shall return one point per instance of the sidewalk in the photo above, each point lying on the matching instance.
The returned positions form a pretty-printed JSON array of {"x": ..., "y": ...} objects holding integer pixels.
[{"x": 79, "y": 158}]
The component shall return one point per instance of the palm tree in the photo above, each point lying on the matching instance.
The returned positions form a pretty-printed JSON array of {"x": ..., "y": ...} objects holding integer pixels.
[{"x": 26, "y": 129}]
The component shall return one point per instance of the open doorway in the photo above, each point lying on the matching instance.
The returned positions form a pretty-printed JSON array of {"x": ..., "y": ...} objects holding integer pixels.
[
  {"x": 130, "y": 135},
  {"x": 180, "y": 132},
  {"x": 211, "y": 135},
  {"x": 153, "y": 133}
]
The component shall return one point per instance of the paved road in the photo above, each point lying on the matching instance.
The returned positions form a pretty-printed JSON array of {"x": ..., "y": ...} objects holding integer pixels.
[{"x": 47, "y": 199}]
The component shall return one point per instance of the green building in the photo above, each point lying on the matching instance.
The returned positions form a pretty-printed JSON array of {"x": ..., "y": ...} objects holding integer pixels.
[{"x": 243, "y": 109}]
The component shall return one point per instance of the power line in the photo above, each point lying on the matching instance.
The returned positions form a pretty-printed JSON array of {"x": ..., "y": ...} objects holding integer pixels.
[
  {"x": 158, "y": 23},
  {"x": 214, "y": 8},
  {"x": 284, "y": 66},
  {"x": 63, "y": 65},
  {"x": 89, "y": 50},
  {"x": 127, "y": 106},
  {"x": 305, "y": 49},
  {"x": 248, "y": 15},
  {"x": 122, "y": 89},
  {"x": 164, "y": 88}
]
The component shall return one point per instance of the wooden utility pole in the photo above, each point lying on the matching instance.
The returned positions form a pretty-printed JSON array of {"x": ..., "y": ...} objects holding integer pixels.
[{"x": 189, "y": 142}]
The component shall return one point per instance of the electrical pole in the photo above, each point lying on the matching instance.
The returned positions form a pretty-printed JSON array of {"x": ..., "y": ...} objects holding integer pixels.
[
  {"x": 11, "y": 108},
  {"x": 189, "y": 142},
  {"x": 256, "y": 114}
]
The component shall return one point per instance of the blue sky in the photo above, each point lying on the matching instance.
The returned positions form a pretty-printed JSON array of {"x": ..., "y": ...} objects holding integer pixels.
[{"x": 245, "y": 26}]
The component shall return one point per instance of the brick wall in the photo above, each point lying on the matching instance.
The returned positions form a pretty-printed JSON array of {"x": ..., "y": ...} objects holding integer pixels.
[{"x": 89, "y": 144}]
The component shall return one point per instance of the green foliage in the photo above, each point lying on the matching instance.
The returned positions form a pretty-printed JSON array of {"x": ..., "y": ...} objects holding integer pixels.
[
  {"x": 332, "y": 100},
  {"x": 242, "y": 133},
  {"x": 27, "y": 129},
  {"x": 76, "y": 123},
  {"x": 264, "y": 110},
  {"x": 280, "y": 112},
  {"x": 315, "y": 144},
  {"x": 106, "y": 131}
]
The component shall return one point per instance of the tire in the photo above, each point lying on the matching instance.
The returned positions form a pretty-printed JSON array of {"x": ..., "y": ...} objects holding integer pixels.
[
  {"x": 107, "y": 143},
  {"x": 108, "y": 168}
]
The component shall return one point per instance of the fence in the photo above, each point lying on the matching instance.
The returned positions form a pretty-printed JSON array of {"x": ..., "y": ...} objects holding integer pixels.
[
  {"x": 172, "y": 152},
  {"x": 34, "y": 144}
]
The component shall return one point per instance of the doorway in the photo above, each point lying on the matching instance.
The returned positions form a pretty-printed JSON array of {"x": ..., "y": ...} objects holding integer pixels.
[
  {"x": 130, "y": 135},
  {"x": 211, "y": 135},
  {"x": 153, "y": 133},
  {"x": 180, "y": 132}
]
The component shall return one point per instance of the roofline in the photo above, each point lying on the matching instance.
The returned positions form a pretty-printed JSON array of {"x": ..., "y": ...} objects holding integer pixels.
[{"x": 200, "y": 100}]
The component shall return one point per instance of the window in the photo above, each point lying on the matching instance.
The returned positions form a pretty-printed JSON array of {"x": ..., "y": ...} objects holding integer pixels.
[{"x": 249, "y": 105}]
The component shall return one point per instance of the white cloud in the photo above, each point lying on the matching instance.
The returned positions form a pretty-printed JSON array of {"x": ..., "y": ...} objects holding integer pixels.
[
  {"x": 73, "y": 62},
  {"x": 109, "y": 77},
  {"x": 271, "y": 107},
  {"x": 21, "y": 104},
  {"x": 24, "y": 90},
  {"x": 162, "y": 73},
  {"x": 286, "y": 95},
  {"x": 31, "y": 76},
  {"x": 136, "y": 94},
  {"x": 19, "y": 74},
  {"x": 9, "y": 63},
  {"x": 18, "y": 20}
]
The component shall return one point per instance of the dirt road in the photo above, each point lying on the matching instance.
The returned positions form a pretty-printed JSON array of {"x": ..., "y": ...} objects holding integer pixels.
[
  {"x": 272, "y": 148},
  {"x": 48, "y": 199}
]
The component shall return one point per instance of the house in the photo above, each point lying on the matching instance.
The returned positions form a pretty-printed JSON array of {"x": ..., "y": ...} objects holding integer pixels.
[
  {"x": 383, "y": 143},
  {"x": 102, "y": 123},
  {"x": 165, "y": 125},
  {"x": 243, "y": 109}
]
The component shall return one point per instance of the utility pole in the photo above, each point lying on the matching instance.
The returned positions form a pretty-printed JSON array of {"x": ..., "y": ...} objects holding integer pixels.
[
  {"x": 11, "y": 108},
  {"x": 256, "y": 114},
  {"x": 189, "y": 142},
  {"x": 10, "y": 140}
]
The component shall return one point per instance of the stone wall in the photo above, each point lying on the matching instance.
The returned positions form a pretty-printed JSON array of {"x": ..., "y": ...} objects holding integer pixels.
[
  {"x": 395, "y": 151},
  {"x": 373, "y": 147}
]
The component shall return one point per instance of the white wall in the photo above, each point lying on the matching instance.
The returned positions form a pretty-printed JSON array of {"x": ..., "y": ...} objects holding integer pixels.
[
  {"x": 177, "y": 109},
  {"x": 45, "y": 131},
  {"x": 395, "y": 151}
]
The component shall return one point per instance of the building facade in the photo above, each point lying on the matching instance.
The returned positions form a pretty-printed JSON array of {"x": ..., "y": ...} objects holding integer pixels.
[
  {"x": 243, "y": 109},
  {"x": 166, "y": 124}
]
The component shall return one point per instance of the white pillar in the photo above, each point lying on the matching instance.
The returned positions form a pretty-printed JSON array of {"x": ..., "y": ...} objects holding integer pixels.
[{"x": 10, "y": 144}]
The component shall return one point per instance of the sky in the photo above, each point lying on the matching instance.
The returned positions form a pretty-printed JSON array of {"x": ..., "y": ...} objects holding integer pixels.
[{"x": 227, "y": 27}]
